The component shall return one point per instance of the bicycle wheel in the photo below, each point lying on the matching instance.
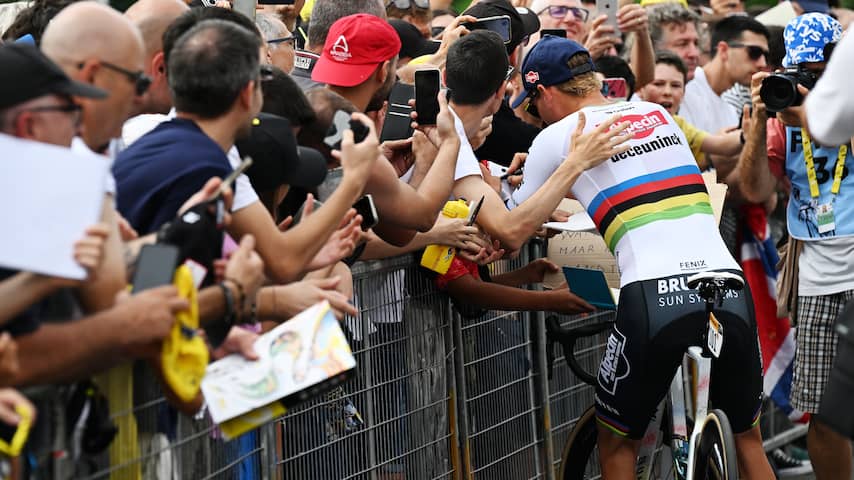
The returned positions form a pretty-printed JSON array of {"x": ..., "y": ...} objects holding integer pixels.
[
  {"x": 580, "y": 458},
  {"x": 716, "y": 457}
]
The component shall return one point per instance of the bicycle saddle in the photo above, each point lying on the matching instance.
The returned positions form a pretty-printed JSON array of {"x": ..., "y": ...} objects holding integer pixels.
[{"x": 721, "y": 281}]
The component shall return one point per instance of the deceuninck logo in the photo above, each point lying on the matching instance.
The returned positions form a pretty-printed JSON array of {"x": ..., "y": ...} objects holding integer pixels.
[
  {"x": 340, "y": 50},
  {"x": 615, "y": 366},
  {"x": 642, "y": 125}
]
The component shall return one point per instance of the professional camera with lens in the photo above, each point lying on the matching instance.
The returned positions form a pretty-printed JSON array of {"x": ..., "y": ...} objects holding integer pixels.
[{"x": 779, "y": 91}]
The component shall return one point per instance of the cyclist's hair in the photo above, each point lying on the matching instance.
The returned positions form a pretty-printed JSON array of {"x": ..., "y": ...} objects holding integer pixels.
[
  {"x": 667, "y": 57},
  {"x": 476, "y": 66},
  {"x": 190, "y": 19},
  {"x": 668, "y": 14},
  {"x": 732, "y": 28},
  {"x": 616, "y": 67},
  {"x": 580, "y": 85}
]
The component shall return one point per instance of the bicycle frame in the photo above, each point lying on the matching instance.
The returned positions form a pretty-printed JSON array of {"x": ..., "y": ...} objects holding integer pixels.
[{"x": 683, "y": 448}]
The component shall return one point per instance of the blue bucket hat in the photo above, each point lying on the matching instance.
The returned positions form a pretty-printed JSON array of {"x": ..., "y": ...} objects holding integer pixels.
[
  {"x": 546, "y": 65},
  {"x": 806, "y": 36}
]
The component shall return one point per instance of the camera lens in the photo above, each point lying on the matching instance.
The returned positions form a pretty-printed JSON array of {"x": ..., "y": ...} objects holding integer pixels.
[{"x": 779, "y": 92}]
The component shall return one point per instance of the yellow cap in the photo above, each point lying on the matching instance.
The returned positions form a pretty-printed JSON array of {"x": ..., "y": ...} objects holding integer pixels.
[{"x": 185, "y": 357}]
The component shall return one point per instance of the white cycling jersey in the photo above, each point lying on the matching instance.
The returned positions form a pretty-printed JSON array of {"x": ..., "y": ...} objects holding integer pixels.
[{"x": 650, "y": 203}]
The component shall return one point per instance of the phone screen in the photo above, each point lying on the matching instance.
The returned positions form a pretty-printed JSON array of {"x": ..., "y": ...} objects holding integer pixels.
[
  {"x": 366, "y": 208},
  {"x": 155, "y": 267},
  {"x": 426, "y": 93},
  {"x": 555, "y": 32},
  {"x": 499, "y": 25},
  {"x": 398, "y": 124}
]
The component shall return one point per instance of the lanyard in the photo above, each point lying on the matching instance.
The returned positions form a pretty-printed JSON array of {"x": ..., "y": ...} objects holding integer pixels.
[{"x": 808, "y": 160}]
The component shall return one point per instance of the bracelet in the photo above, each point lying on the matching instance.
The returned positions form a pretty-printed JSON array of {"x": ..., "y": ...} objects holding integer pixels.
[
  {"x": 229, "y": 303},
  {"x": 240, "y": 290}
]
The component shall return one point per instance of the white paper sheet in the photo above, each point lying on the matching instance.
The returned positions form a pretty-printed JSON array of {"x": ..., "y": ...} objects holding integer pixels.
[
  {"x": 577, "y": 222},
  {"x": 50, "y": 196}
]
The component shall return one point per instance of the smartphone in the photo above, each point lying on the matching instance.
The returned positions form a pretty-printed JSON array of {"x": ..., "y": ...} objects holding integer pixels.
[
  {"x": 609, "y": 7},
  {"x": 229, "y": 180},
  {"x": 615, "y": 88},
  {"x": 473, "y": 211},
  {"x": 555, "y": 32},
  {"x": 155, "y": 266},
  {"x": 398, "y": 124},
  {"x": 426, "y": 93},
  {"x": 499, "y": 24},
  {"x": 342, "y": 121},
  {"x": 298, "y": 216},
  {"x": 366, "y": 208}
]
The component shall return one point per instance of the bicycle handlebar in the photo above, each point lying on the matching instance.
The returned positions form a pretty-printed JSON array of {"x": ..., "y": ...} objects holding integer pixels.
[{"x": 567, "y": 337}]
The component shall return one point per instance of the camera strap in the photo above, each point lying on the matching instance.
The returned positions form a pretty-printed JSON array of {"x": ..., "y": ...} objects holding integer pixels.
[{"x": 810, "y": 164}]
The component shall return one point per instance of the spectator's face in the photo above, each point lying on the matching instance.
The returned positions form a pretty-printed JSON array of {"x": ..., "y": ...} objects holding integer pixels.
[
  {"x": 666, "y": 89},
  {"x": 746, "y": 57},
  {"x": 281, "y": 55},
  {"x": 682, "y": 39},
  {"x": 287, "y": 13},
  {"x": 50, "y": 119},
  {"x": 726, "y": 7},
  {"x": 103, "y": 119},
  {"x": 566, "y": 15}
]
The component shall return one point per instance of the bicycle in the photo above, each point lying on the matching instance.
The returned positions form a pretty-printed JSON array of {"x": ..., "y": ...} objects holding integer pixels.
[{"x": 707, "y": 450}]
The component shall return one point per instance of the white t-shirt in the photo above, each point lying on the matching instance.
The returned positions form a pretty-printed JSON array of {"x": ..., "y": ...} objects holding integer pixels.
[
  {"x": 826, "y": 266},
  {"x": 79, "y": 146},
  {"x": 139, "y": 125},
  {"x": 705, "y": 109},
  {"x": 466, "y": 160},
  {"x": 649, "y": 203},
  {"x": 830, "y": 106}
]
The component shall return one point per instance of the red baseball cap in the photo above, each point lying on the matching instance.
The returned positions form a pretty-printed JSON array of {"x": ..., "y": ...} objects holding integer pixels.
[{"x": 355, "y": 46}]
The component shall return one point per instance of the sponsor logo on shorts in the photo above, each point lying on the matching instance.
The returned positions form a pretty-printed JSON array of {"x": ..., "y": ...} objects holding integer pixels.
[
  {"x": 675, "y": 292},
  {"x": 615, "y": 366}
]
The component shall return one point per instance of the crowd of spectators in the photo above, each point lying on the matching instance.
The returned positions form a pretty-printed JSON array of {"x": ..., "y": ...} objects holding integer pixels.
[{"x": 171, "y": 96}]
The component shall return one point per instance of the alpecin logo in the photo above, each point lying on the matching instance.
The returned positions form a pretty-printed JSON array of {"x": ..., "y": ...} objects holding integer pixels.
[
  {"x": 642, "y": 125},
  {"x": 615, "y": 366}
]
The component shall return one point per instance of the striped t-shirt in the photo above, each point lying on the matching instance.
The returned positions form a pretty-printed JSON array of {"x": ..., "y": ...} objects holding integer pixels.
[{"x": 650, "y": 203}]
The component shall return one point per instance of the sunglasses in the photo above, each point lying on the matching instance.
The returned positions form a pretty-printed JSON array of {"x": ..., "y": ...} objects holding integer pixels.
[
  {"x": 290, "y": 40},
  {"x": 531, "y": 107},
  {"x": 753, "y": 51},
  {"x": 71, "y": 108},
  {"x": 509, "y": 73},
  {"x": 140, "y": 80},
  {"x": 561, "y": 11},
  {"x": 405, "y": 4}
]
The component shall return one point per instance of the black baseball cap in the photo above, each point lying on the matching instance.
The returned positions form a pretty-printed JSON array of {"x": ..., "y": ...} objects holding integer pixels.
[
  {"x": 523, "y": 22},
  {"x": 412, "y": 43},
  {"x": 26, "y": 73},
  {"x": 276, "y": 158}
]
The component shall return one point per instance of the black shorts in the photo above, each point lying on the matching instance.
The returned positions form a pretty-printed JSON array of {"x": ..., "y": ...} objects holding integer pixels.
[{"x": 657, "y": 320}]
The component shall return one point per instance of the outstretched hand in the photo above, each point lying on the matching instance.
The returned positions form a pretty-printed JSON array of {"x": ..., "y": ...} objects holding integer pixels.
[{"x": 603, "y": 142}]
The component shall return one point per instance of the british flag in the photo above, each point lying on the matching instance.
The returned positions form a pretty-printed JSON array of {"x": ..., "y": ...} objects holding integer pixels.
[{"x": 776, "y": 336}]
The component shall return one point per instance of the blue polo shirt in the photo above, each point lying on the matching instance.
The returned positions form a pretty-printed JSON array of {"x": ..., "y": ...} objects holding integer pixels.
[{"x": 161, "y": 170}]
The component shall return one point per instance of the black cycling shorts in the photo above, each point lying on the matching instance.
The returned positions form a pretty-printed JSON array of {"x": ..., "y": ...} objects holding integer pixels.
[{"x": 657, "y": 320}]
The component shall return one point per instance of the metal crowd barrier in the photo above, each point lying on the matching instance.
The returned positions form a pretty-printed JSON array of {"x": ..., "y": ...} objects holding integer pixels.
[{"x": 437, "y": 395}]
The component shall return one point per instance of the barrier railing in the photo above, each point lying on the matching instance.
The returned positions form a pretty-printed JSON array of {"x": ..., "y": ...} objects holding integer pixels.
[{"x": 436, "y": 396}]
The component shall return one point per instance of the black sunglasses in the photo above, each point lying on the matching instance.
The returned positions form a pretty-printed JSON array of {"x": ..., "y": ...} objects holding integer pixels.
[
  {"x": 530, "y": 107},
  {"x": 753, "y": 51},
  {"x": 290, "y": 40},
  {"x": 140, "y": 80},
  {"x": 67, "y": 108}
]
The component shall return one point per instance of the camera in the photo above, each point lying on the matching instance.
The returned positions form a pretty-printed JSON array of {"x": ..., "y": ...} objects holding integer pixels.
[{"x": 779, "y": 91}]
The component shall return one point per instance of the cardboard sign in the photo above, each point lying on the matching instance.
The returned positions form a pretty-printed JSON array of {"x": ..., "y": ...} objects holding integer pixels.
[{"x": 580, "y": 249}]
